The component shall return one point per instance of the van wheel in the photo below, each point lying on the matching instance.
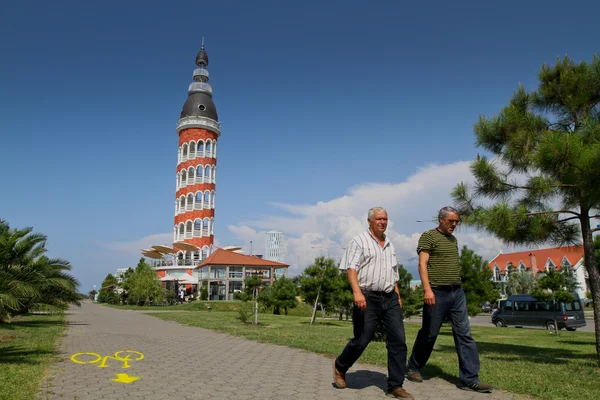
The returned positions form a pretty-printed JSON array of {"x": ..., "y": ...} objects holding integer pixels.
[
  {"x": 550, "y": 325},
  {"x": 571, "y": 329},
  {"x": 500, "y": 323}
]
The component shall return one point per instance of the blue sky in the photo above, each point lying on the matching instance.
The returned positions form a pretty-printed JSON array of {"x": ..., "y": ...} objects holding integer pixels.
[{"x": 327, "y": 108}]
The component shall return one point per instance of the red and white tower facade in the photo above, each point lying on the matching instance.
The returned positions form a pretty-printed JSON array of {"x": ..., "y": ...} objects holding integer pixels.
[{"x": 199, "y": 130}]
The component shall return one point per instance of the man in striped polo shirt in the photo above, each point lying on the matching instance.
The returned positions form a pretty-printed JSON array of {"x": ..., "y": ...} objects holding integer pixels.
[
  {"x": 371, "y": 265},
  {"x": 439, "y": 268}
]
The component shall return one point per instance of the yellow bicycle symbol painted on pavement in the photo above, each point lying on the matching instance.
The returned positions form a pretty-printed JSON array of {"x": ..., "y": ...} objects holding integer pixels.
[{"x": 125, "y": 356}]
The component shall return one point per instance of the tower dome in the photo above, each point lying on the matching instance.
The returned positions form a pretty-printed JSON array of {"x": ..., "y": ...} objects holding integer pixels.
[{"x": 199, "y": 102}]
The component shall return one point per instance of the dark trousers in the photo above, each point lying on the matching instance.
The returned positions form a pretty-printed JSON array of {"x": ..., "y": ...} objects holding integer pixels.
[
  {"x": 449, "y": 302},
  {"x": 384, "y": 308}
]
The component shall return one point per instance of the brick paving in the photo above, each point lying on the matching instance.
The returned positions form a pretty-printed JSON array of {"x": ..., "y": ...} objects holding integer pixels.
[{"x": 182, "y": 362}]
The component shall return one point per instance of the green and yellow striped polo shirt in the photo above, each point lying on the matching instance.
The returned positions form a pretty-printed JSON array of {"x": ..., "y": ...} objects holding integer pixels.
[{"x": 444, "y": 265}]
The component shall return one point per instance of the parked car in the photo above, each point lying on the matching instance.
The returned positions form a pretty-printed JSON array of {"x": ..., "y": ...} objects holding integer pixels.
[{"x": 486, "y": 307}]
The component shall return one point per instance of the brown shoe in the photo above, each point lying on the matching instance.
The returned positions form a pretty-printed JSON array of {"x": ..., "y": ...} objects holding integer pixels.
[
  {"x": 414, "y": 376},
  {"x": 339, "y": 378},
  {"x": 400, "y": 393}
]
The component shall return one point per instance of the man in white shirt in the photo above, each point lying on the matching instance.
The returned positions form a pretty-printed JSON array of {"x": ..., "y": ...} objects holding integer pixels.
[{"x": 372, "y": 268}]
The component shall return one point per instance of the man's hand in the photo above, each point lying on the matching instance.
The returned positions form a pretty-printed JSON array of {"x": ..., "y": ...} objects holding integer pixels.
[
  {"x": 360, "y": 301},
  {"x": 429, "y": 298}
]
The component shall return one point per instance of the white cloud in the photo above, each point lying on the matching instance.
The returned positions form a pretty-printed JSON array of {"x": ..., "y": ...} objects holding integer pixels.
[
  {"x": 136, "y": 246},
  {"x": 326, "y": 227}
]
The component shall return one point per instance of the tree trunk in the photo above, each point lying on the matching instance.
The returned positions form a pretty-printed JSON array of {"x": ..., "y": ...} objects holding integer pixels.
[
  {"x": 555, "y": 322},
  {"x": 314, "y": 314},
  {"x": 594, "y": 275}
]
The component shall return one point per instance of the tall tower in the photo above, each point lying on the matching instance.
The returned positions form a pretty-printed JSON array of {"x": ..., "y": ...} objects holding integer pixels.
[
  {"x": 199, "y": 130},
  {"x": 275, "y": 246}
]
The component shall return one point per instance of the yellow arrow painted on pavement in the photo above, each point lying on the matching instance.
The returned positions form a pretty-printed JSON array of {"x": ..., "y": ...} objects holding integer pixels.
[{"x": 124, "y": 378}]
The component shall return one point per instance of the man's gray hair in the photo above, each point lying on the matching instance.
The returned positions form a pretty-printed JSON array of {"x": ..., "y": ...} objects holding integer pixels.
[
  {"x": 373, "y": 211},
  {"x": 447, "y": 210}
]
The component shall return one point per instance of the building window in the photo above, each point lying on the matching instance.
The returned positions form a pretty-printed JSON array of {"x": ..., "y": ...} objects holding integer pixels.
[
  {"x": 198, "y": 228},
  {"x": 236, "y": 273},
  {"x": 192, "y": 150}
]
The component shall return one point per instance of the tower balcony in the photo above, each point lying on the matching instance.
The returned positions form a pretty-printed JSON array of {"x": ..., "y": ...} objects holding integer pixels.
[
  {"x": 199, "y": 122},
  {"x": 200, "y": 75},
  {"x": 200, "y": 87}
]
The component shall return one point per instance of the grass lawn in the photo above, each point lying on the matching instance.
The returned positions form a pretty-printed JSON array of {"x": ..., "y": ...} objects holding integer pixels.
[
  {"x": 302, "y": 310},
  {"x": 26, "y": 349},
  {"x": 524, "y": 361}
]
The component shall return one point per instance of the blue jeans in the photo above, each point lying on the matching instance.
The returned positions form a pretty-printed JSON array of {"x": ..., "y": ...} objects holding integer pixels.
[
  {"x": 449, "y": 302},
  {"x": 384, "y": 308}
]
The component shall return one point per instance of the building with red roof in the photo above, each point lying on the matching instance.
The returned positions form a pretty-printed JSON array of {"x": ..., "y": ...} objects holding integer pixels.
[
  {"x": 539, "y": 261},
  {"x": 224, "y": 271}
]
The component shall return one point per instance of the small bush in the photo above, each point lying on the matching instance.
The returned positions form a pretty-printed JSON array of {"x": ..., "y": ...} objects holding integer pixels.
[{"x": 243, "y": 315}]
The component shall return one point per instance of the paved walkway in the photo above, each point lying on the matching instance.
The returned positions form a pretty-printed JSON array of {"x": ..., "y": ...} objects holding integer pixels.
[{"x": 182, "y": 362}]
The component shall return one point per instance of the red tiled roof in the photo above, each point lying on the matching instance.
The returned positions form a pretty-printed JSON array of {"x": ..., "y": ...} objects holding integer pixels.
[
  {"x": 226, "y": 257},
  {"x": 541, "y": 256}
]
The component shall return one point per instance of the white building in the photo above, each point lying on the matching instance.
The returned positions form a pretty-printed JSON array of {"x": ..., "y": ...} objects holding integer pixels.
[
  {"x": 275, "y": 246},
  {"x": 120, "y": 273}
]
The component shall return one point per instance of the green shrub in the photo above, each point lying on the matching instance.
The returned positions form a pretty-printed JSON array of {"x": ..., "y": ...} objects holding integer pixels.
[{"x": 243, "y": 314}]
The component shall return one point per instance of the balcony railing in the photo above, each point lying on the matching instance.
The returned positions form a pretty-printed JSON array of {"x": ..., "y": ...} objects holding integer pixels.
[
  {"x": 196, "y": 87},
  {"x": 198, "y": 122},
  {"x": 201, "y": 72}
]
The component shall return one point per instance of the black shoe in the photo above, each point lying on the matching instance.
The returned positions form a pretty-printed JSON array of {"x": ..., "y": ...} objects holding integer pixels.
[
  {"x": 414, "y": 376},
  {"x": 477, "y": 387}
]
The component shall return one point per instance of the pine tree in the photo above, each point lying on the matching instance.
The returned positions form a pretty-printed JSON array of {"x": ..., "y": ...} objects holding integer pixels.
[{"x": 544, "y": 177}]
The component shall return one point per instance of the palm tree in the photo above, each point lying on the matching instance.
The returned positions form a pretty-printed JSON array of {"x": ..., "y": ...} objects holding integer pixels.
[{"x": 29, "y": 278}]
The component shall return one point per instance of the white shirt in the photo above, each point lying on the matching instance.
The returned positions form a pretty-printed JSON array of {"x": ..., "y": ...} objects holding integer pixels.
[{"x": 376, "y": 266}]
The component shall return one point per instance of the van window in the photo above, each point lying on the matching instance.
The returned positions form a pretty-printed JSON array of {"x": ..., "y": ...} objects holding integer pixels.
[
  {"x": 544, "y": 306},
  {"x": 577, "y": 305},
  {"x": 508, "y": 305}
]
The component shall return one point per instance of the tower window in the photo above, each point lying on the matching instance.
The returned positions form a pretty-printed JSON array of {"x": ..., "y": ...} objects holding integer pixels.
[{"x": 201, "y": 107}]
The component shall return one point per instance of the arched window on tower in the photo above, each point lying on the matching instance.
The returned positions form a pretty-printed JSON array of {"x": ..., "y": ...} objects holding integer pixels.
[
  {"x": 184, "y": 152},
  {"x": 177, "y": 181},
  {"x": 190, "y": 179},
  {"x": 181, "y": 204},
  {"x": 212, "y": 226},
  {"x": 212, "y": 200},
  {"x": 183, "y": 178},
  {"x": 190, "y": 202},
  {"x": 180, "y": 258},
  {"x": 188, "y": 230},
  {"x": 204, "y": 252},
  {"x": 208, "y": 151},
  {"x": 199, "y": 174},
  {"x": 181, "y": 231},
  {"x": 188, "y": 258},
  {"x": 198, "y": 227},
  {"x": 207, "y": 174},
  {"x": 206, "y": 199},
  {"x": 192, "y": 175},
  {"x": 205, "y": 230},
  {"x": 214, "y": 174},
  {"x": 215, "y": 149},
  {"x": 497, "y": 273},
  {"x": 179, "y": 154},
  {"x": 200, "y": 150},
  {"x": 192, "y": 150},
  {"x": 198, "y": 201}
]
